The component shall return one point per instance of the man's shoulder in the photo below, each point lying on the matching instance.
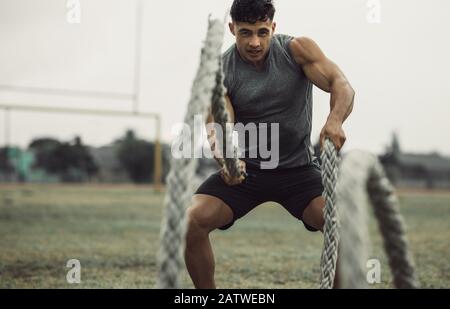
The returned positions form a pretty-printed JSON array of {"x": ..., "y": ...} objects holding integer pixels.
[
  {"x": 282, "y": 36},
  {"x": 283, "y": 39}
]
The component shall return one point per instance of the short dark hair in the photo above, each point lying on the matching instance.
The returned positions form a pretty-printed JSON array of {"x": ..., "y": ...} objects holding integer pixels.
[{"x": 252, "y": 11}]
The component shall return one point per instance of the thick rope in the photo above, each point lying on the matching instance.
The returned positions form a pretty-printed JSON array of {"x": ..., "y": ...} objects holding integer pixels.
[
  {"x": 392, "y": 227},
  {"x": 208, "y": 81},
  {"x": 331, "y": 237},
  {"x": 351, "y": 194},
  {"x": 221, "y": 116},
  {"x": 362, "y": 180},
  {"x": 182, "y": 170}
]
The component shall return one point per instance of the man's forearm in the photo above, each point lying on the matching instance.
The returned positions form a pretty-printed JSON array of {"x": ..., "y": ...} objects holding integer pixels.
[{"x": 342, "y": 100}]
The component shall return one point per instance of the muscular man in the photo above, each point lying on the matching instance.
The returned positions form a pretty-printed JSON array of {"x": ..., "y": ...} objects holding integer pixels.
[{"x": 269, "y": 78}]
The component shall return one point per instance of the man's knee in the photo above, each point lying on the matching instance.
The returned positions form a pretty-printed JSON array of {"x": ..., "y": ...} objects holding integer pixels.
[
  {"x": 197, "y": 221},
  {"x": 314, "y": 214},
  {"x": 206, "y": 215},
  {"x": 320, "y": 223}
]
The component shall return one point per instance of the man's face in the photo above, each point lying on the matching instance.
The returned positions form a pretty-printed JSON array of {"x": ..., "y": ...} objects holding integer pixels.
[{"x": 253, "y": 40}]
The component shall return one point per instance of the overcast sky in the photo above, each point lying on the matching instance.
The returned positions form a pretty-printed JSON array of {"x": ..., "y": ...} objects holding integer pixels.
[{"x": 399, "y": 67}]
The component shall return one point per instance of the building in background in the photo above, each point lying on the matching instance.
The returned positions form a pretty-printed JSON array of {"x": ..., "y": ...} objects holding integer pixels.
[
  {"x": 405, "y": 170},
  {"x": 109, "y": 168},
  {"x": 408, "y": 170}
]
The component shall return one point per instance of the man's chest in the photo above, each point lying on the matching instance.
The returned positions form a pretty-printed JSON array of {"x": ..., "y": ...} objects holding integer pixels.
[{"x": 258, "y": 96}]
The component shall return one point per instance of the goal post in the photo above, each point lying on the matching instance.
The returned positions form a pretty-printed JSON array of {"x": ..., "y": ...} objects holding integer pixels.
[{"x": 7, "y": 108}]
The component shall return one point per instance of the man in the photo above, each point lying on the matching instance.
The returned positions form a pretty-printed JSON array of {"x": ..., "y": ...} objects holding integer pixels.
[{"x": 269, "y": 79}]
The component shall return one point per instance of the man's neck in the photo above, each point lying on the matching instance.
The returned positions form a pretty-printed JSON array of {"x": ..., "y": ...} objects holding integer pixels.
[{"x": 258, "y": 65}]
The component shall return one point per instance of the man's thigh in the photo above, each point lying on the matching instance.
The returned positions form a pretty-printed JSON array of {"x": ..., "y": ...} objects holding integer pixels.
[
  {"x": 241, "y": 199},
  {"x": 303, "y": 199}
]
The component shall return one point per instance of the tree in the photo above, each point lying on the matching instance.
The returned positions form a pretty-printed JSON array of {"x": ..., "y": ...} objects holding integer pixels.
[
  {"x": 137, "y": 157},
  {"x": 72, "y": 162},
  {"x": 47, "y": 155},
  {"x": 80, "y": 158},
  {"x": 5, "y": 164}
]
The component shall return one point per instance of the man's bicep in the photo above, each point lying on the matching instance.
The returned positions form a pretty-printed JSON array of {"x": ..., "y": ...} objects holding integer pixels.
[
  {"x": 316, "y": 66},
  {"x": 322, "y": 73}
]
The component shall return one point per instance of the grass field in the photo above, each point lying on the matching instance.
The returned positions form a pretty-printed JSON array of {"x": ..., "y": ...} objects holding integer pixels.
[{"x": 114, "y": 231}]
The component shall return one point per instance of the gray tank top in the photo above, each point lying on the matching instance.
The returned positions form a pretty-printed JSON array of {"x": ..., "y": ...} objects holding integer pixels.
[{"x": 279, "y": 93}]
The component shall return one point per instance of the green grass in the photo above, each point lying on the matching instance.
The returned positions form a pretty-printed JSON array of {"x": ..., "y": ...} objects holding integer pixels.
[{"x": 114, "y": 232}]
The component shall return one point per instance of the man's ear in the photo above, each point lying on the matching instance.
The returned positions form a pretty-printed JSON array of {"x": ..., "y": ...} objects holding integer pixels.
[
  {"x": 274, "y": 26},
  {"x": 231, "y": 26}
]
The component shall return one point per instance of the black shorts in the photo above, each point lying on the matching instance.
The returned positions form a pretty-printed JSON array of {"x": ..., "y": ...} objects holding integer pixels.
[{"x": 293, "y": 188}]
